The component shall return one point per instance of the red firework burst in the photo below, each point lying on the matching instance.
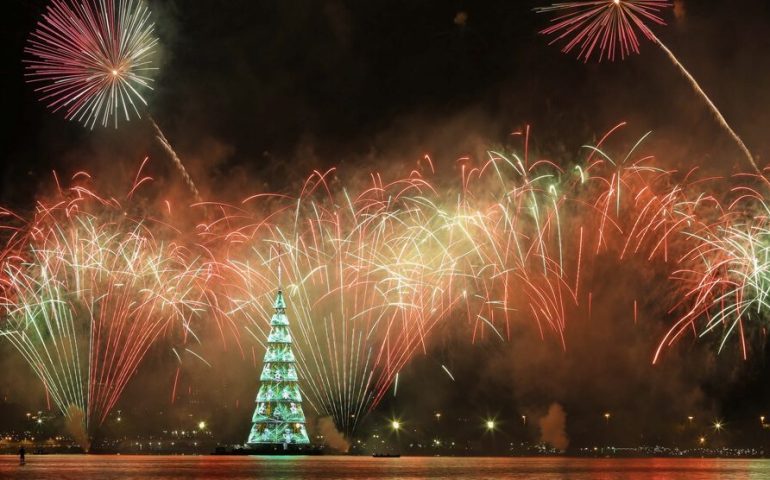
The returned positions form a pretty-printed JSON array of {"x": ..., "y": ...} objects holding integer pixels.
[
  {"x": 92, "y": 58},
  {"x": 605, "y": 27}
]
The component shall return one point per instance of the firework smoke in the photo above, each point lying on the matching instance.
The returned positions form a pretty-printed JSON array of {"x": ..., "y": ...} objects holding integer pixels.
[{"x": 553, "y": 428}]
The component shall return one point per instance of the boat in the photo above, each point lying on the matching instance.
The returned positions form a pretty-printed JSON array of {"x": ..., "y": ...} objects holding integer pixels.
[{"x": 386, "y": 455}]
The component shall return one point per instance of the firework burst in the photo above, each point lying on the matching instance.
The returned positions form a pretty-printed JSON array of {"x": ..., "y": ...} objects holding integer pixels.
[
  {"x": 607, "y": 28},
  {"x": 370, "y": 272},
  {"x": 87, "y": 289},
  {"x": 725, "y": 279},
  {"x": 371, "y": 269},
  {"x": 92, "y": 59}
]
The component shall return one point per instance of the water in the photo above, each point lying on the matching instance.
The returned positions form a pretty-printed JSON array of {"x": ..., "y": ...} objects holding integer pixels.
[{"x": 50, "y": 467}]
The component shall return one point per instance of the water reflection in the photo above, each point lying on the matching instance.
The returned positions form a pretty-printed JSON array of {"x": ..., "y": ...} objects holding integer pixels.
[{"x": 365, "y": 468}]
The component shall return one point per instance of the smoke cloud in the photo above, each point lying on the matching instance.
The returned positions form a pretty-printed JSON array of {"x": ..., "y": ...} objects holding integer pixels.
[
  {"x": 76, "y": 427},
  {"x": 332, "y": 437},
  {"x": 553, "y": 427}
]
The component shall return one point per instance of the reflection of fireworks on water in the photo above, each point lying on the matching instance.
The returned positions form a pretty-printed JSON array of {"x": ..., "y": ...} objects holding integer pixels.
[{"x": 92, "y": 59}]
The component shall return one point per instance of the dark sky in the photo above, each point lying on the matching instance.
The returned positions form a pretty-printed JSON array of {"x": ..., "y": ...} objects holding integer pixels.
[
  {"x": 273, "y": 89},
  {"x": 262, "y": 83}
]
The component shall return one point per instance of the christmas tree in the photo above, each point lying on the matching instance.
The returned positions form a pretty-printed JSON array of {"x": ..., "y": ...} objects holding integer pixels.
[{"x": 278, "y": 418}]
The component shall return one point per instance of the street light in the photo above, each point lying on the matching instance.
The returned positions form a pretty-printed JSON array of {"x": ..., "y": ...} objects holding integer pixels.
[
  {"x": 524, "y": 419},
  {"x": 201, "y": 425},
  {"x": 607, "y": 417},
  {"x": 395, "y": 424},
  {"x": 490, "y": 425}
]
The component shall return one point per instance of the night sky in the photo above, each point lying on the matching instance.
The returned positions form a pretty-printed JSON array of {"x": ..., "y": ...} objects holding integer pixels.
[{"x": 256, "y": 94}]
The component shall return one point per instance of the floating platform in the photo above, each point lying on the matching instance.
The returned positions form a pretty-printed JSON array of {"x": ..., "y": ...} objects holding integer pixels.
[{"x": 277, "y": 449}]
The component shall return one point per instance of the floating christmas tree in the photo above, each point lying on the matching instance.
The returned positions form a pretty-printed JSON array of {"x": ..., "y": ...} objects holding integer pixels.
[{"x": 278, "y": 418}]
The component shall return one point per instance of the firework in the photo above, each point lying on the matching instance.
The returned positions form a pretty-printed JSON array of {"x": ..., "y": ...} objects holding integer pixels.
[
  {"x": 92, "y": 59},
  {"x": 370, "y": 269},
  {"x": 370, "y": 274},
  {"x": 608, "y": 28},
  {"x": 725, "y": 282},
  {"x": 357, "y": 282},
  {"x": 176, "y": 161},
  {"x": 87, "y": 290}
]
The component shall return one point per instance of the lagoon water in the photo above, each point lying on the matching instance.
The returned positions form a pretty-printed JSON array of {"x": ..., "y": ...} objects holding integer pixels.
[{"x": 56, "y": 467}]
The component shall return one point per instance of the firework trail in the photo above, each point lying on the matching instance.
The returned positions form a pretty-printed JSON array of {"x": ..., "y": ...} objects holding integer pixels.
[
  {"x": 87, "y": 290},
  {"x": 92, "y": 59},
  {"x": 609, "y": 27},
  {"x": 176, "y": 160},
  {"x": 712, "y": 107}
]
